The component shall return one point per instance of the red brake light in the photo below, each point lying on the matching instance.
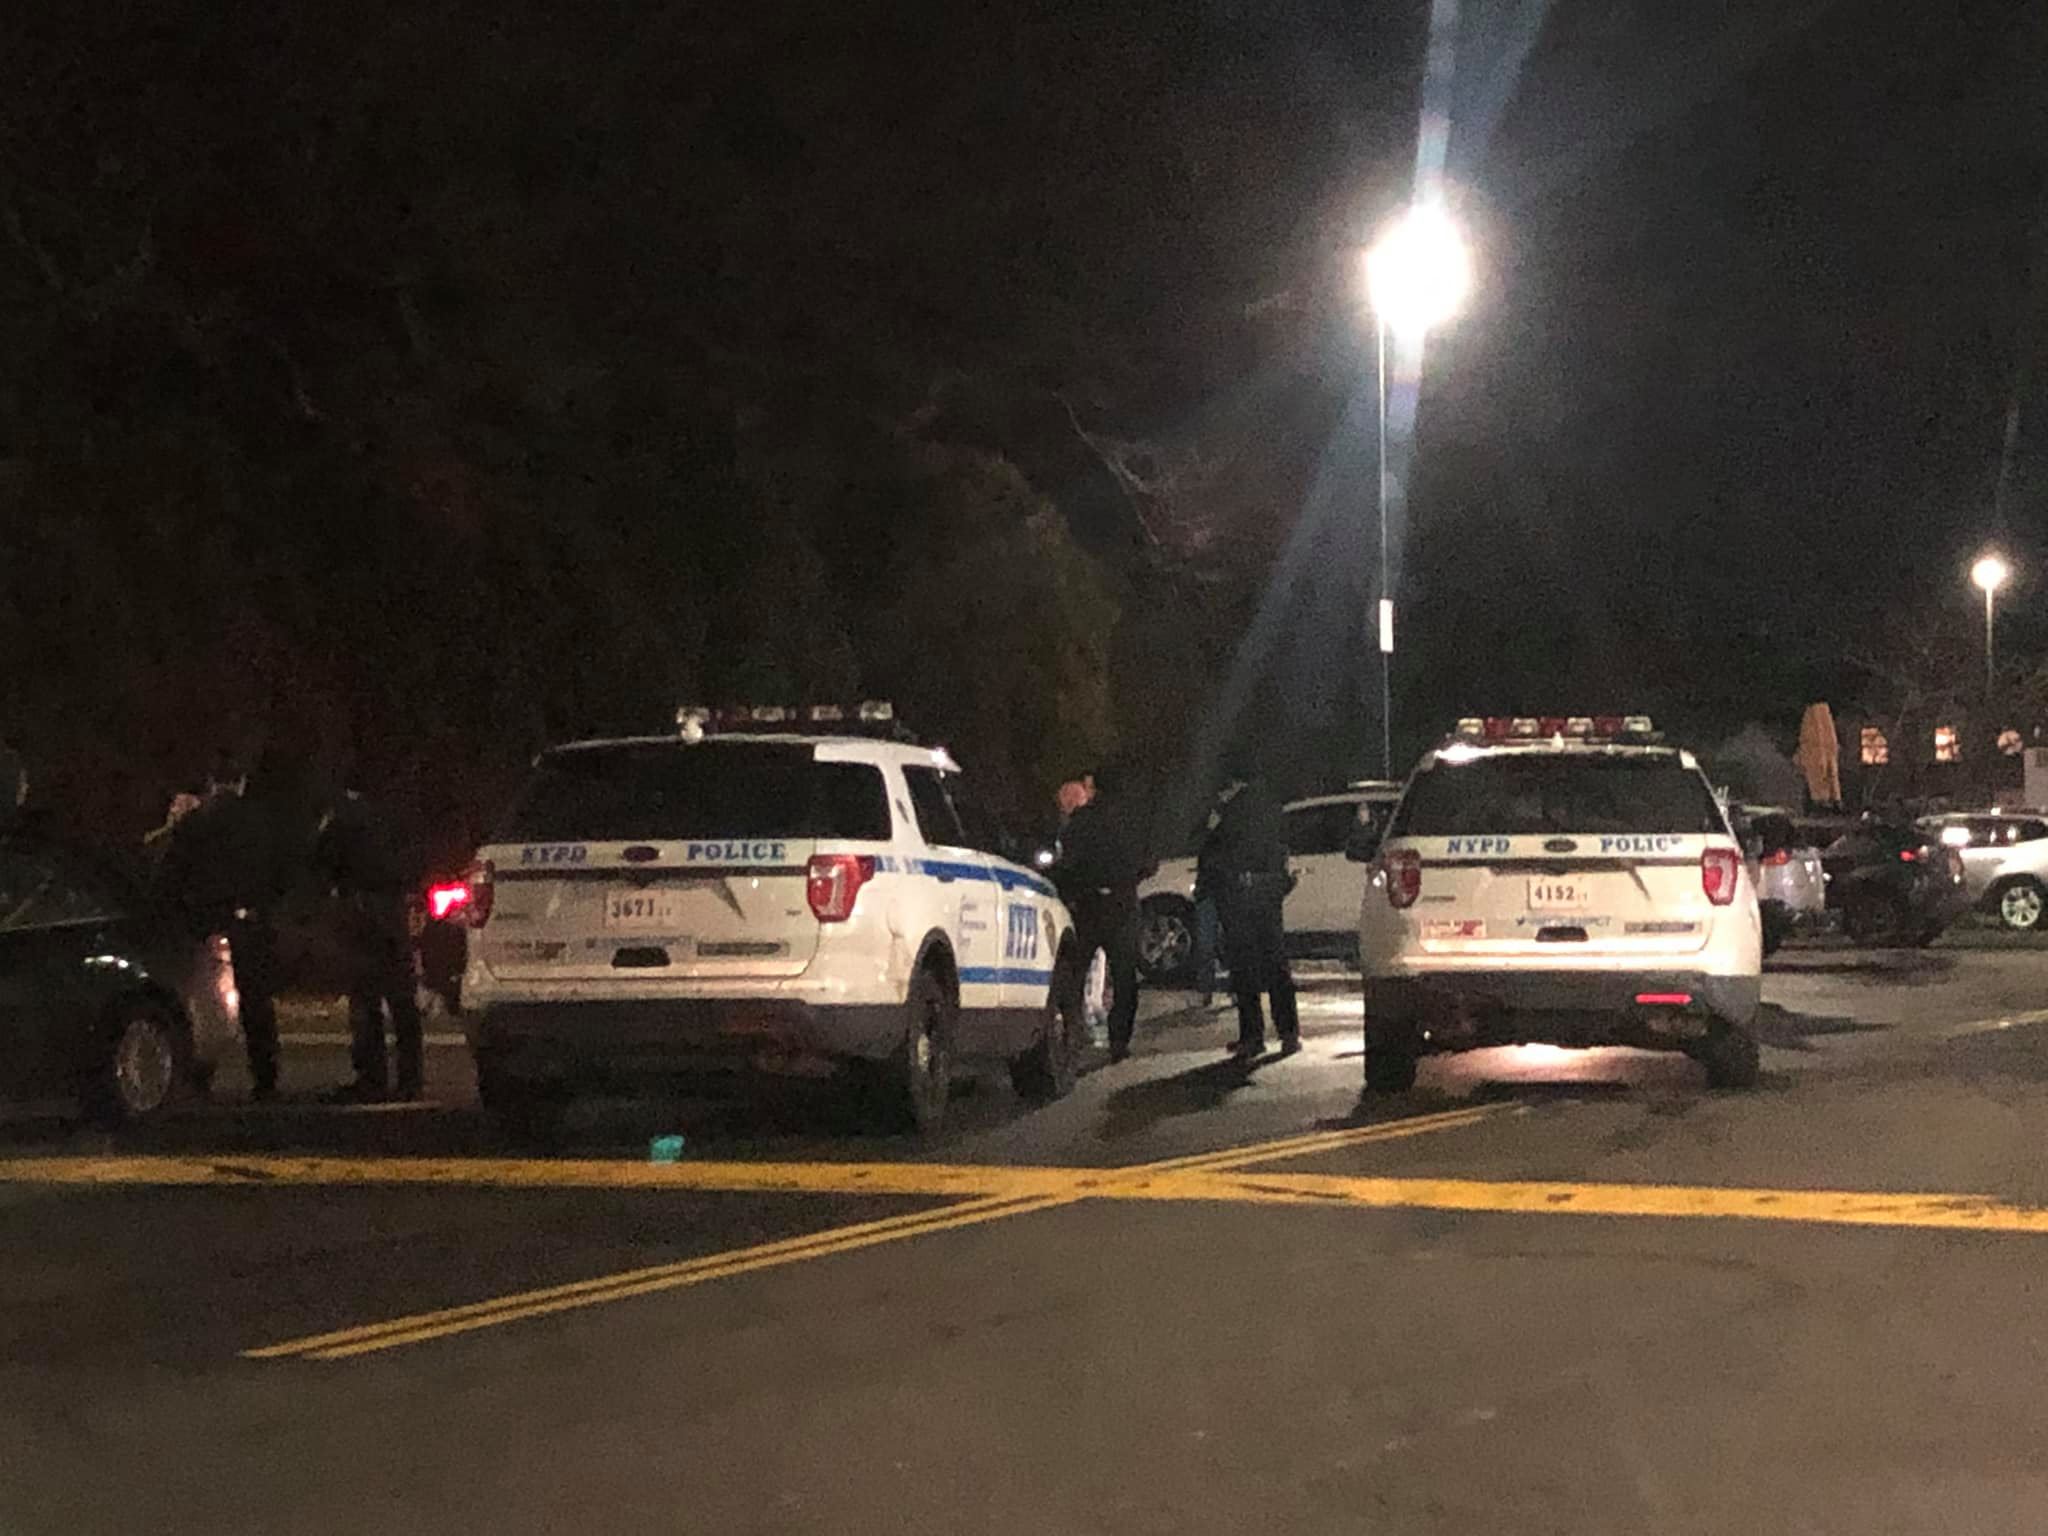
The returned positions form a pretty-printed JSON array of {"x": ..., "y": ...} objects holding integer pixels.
[
  {"x": 1909, "y": 855},
  {"x": 1404, "y": 877},
  {"x": 1720, "y": 873},
  {"x": 479, "y": 885},
  {"x": 1777, "y": 858},
  {"x": 1663, "y": 999},
  {"x": 834, "y": 882},
  {"x": 445, "y": 900}
]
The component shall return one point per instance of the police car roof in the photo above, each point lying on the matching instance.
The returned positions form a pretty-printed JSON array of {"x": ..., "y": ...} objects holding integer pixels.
[{"x": 851, "y": 746}]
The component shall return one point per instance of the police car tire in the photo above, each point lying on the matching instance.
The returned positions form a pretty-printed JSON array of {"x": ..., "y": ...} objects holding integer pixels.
[
  {"x": 527, "y": 1112},
  {"x": 920, "y": 1080},
  {"x": 1389, "y": 1069},
  {"x": 1730, "y": 1056},
  {"x": 1050, "y": 1068}
]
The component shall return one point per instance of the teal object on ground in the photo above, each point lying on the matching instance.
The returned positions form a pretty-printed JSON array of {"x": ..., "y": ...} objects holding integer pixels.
[{"x": 665, "y": 1149}]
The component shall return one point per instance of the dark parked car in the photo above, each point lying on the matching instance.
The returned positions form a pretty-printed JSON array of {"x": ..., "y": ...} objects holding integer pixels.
[
  {"x": 107, "y": 996},
  {"x": 1893, "y": 882}
]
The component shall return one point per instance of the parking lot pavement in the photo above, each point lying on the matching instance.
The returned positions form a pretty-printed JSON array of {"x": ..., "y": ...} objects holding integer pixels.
[{"x": 1547, "y": 1291}]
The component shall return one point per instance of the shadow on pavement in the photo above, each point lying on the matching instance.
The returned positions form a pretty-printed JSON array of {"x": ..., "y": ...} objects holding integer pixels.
[
  {"x": 1135, "y": 1108},
  {"x": 1879, "y": 967},
  {"x": 759, "y": 1124},
  {"x": 1782, "y": 1029}
]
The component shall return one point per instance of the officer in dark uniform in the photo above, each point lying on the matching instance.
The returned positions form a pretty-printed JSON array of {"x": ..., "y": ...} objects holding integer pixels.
[
  {"x": 232, "y": 861},
  {"x": 1102, "y": 860},
  {"x": 358, "y": 853},
  {"x": 1243, "y": 866}
]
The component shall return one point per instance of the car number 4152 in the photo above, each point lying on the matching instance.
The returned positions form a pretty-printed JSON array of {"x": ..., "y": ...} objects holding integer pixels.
[{"x": 1548, "y": 895}]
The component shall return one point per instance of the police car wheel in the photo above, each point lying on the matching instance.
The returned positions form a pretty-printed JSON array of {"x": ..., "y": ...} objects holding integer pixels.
[
  {"x": 1166, "y": 941},
  {"x": 921, "y": 1075},
  {"x": 1389, "y": 1068},
  {"x": 527, "y": 1113},
  {"x": 1730, "y": 1056},
  {"x": 1048, "y": 1070}
]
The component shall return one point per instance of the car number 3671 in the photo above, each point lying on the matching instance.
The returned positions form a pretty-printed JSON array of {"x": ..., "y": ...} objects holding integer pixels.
[{"x": 641, "y": 910}]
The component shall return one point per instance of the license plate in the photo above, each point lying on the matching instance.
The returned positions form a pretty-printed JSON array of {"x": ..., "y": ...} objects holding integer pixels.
[
  {"x": 1553, "y": 893},
  {"x": 643, "y": 911}
]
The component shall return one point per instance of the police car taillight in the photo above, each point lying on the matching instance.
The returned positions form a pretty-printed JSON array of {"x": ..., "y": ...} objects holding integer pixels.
[
  {"x": 1720, "y": 868},
  {"x": 833, "y": 884},
  {"x": 479, "y": 881},
  {"x": 1404, "y": 878}
]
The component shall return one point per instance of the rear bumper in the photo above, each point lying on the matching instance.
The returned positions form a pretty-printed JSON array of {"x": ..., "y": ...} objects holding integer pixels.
[
  {"x": 1464, "y": 1010},
  {"x": 596, "y": 1042}
]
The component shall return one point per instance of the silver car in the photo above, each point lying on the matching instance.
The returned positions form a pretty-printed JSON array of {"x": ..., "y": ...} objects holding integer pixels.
[
  {"x": 1791, "y": 884},
  {"x": 2005, "y": 861}
]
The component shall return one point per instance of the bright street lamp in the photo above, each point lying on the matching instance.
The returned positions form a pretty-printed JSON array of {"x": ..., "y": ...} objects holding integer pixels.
[
  {"x": 1419, "y": 271},
  {"x": 1417, "y": 275},
  {"x": 1990, "y": 573}
]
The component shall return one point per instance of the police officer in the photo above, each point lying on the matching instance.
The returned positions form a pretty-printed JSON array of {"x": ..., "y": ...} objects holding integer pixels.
[
  {"x": 1102, "y": 860},
  {"x": 1243, "y": 866},
  {"x": 233, "y": 859},
  {"x": 358, "y": 854}
]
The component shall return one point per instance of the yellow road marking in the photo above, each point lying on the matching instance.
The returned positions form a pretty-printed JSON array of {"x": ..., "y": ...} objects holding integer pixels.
[
  {"x": 1823, "y": 1207},
  {"x": 1323, "y": 1141},
  {"x": 933, "y": 1180},
  {"x": 1003, "y": 1192},
  {"x": 345, "y": 1343},
  {"x": 939, "y": 1180}
]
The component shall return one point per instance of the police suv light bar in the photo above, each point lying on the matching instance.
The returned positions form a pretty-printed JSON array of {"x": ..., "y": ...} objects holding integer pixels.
[
  {"x": 695, "y": 721},
  {"x": 1544, "y": 727}
]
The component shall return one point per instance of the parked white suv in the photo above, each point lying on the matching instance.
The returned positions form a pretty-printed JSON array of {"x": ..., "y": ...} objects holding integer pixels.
[
  {"x": 1572, "y": 882},
  {"x": 2005, "y": 862},
  {"x": 1321, "y": 913},
  {"x": 784, "y": 897}
]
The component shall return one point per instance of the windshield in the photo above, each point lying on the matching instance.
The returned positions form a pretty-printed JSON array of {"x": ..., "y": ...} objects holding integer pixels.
[
  {"x": 1525, "y": 792},
  {"x": 656, "y": 790}
]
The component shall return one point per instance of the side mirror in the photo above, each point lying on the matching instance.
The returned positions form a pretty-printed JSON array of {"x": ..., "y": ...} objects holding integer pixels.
[{"x": 1362, "y": 844}]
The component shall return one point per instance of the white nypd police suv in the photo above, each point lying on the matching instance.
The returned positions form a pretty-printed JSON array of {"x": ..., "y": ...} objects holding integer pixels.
[
  {"x": 1564, "y": 881},
  {"x": 787, "y": 892}
]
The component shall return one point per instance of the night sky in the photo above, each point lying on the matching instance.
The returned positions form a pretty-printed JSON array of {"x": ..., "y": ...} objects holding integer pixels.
[
  {"x": 1760, "y": 302},
  {"x": 495, "y": 372}
]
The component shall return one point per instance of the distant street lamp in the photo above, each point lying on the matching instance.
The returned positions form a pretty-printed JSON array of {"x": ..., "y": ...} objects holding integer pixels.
[
  {"x": 1417, "y": 275},
  {"x": 1990, "y": 573}
]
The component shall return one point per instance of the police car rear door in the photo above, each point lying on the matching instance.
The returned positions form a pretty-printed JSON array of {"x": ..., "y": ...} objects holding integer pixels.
[
  {"x": 1024, "y": 966},
  {"x": 664, "y": 860},
  {"x": 1562, "y": 852},
  {"x": 968, "y": 889}
]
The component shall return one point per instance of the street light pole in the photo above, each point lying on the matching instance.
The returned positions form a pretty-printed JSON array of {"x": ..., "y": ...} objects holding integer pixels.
[
  {"x": 1386, "y": 603},
  {"x": 1990, "y": 641},
  {"x": 1417, "y": 274}
]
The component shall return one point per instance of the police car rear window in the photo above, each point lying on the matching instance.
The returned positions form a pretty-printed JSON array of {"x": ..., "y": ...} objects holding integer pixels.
[
  {"x": 1530, "y": 792},
  {"x": 653, "y": 791}
]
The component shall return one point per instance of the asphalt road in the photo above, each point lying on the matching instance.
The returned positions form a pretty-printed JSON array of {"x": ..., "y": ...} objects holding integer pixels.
[{"x": 1546, "y": 1292}]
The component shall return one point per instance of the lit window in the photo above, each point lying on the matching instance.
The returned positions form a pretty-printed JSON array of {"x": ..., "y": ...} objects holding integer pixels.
[
  {"x": 1948, "y": 746},
  {"x": 1876, "y": 750},
  {"x": 2011, "y": 743}
]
